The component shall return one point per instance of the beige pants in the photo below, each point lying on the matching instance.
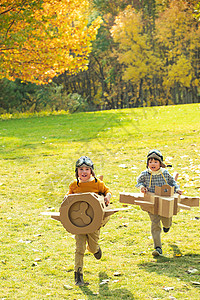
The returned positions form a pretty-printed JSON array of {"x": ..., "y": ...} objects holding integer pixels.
[
  {"x": 81, "y": 239},
  {"x": 92, "y": 240},
  {"x": 156, "y": 227}
]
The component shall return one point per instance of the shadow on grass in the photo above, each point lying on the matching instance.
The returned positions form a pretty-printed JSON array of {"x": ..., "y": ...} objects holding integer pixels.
[
  {"x": 105, "y": 292},
  {"x": 177, "y": 266}
]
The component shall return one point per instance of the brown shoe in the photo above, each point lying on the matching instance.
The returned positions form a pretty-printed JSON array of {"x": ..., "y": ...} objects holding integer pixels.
[
  {"x": 79, "y": 279},
  {"x": 98, "y": 254}
]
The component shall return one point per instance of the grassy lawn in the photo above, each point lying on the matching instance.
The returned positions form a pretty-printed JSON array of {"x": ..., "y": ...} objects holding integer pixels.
[{"x": 37, "y": 158}]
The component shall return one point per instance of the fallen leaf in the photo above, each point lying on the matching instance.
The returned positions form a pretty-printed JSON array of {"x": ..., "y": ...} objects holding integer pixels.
[
  {"x": 67, "y": 287},
  {"x": 195, "y": 282},
  {"x": 169, "y": 288},
  {"x": 192, "y": 271},
  {"x": 26, "y": 242},
  {"x": 36, "y": 250},
  {"x": 37, "y": 259},
  {"x": 123, "y": 166},
  {"x": 117, "y": 274},
  {"x": 104, "y": 281}
]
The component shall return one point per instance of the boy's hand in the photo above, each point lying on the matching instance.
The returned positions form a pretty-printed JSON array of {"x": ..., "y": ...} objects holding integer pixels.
[
  {"x": 180, "y": 192},
  {"x": 143, "y": 190},
  {"x": 107, "y": 200}
]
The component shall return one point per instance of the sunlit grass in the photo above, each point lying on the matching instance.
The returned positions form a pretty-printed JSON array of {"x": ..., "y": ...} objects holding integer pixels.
[{"x": 37, "y": 157}]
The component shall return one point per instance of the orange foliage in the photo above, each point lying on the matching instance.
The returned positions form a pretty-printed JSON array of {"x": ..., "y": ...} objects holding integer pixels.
[{"x": 58, "y": 41}]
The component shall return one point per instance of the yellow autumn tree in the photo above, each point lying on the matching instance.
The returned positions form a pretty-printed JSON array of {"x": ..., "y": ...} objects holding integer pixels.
[
  {"x": 41, "y": 40},
  {"x": 135, "y": 54},
  {"x": 178, "y": 37}
]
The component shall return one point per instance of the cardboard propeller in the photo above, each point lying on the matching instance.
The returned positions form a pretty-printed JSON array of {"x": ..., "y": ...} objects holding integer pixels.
[
  {"x": 83, "y": 213},
  {"x": 163, "y": 202}
]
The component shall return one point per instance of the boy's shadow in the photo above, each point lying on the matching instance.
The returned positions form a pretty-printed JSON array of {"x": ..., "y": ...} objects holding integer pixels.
[
  {"x": 176, "y": 266},
  {"x": 105, "y": 292}
]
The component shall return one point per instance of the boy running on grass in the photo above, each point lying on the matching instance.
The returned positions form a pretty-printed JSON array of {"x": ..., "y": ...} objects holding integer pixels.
[
  {"x": 156, "y": 175},
  {"x": 87, "y": 182}
]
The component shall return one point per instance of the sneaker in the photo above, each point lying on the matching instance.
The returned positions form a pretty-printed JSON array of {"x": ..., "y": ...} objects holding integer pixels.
[
  {"x": 166, "y": 229},
  {"x": 98, "y": 254},
  {"x": 157, "y": 252}
]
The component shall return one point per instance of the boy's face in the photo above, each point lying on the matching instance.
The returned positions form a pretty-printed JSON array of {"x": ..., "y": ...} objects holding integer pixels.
[
  {"x": 84, "y": 173},
  {"x": 154, "y": 164}
]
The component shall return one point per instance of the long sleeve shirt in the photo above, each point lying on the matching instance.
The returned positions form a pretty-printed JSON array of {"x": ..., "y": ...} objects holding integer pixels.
[
  {"x": 98, "y": 187},
  {"x": 150, "y": 179}
]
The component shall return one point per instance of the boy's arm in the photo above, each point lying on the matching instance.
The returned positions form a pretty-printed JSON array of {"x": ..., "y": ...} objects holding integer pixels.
[
  {"x": 105, "y": 191},
  {"x": 172, "y": 182},
  {"x": 141, "y": 183},
  {"x": 71, "y": 189}
]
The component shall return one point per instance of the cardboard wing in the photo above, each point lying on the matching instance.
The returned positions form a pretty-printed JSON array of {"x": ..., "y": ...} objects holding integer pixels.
[
  {"x": 147, "y": 202},
  {"x": 190, "y": 201}
]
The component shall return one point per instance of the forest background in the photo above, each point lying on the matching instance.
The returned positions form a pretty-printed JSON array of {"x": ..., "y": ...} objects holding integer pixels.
[{"x": 146, "y": 53}]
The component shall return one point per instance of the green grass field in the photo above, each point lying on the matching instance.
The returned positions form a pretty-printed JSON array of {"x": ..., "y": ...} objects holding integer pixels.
[{"x": 37, "y": 158}]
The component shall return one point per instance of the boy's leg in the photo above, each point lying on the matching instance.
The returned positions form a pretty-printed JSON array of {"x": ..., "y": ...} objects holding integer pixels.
[
  {"x": 80, "y": 251},
  {"x": 92, "y": 239},
  {"x": 79, "y": 254},
  {"x": 167, "y": 223},
  {"x": 155, "y": 230}
]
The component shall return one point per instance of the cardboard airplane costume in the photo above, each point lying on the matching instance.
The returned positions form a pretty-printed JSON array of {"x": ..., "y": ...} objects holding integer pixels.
[
  {"x": 163, "y": 202},
  {"x": 83, "y": 213}
]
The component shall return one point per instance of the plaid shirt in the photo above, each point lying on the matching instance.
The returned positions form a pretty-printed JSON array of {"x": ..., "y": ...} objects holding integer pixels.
[{"x": 156, "y": 179}]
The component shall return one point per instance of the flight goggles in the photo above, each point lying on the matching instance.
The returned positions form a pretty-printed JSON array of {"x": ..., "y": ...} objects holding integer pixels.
[
  {"x": 84, "y": 160},
  {"x": 155, "y": 152}
]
